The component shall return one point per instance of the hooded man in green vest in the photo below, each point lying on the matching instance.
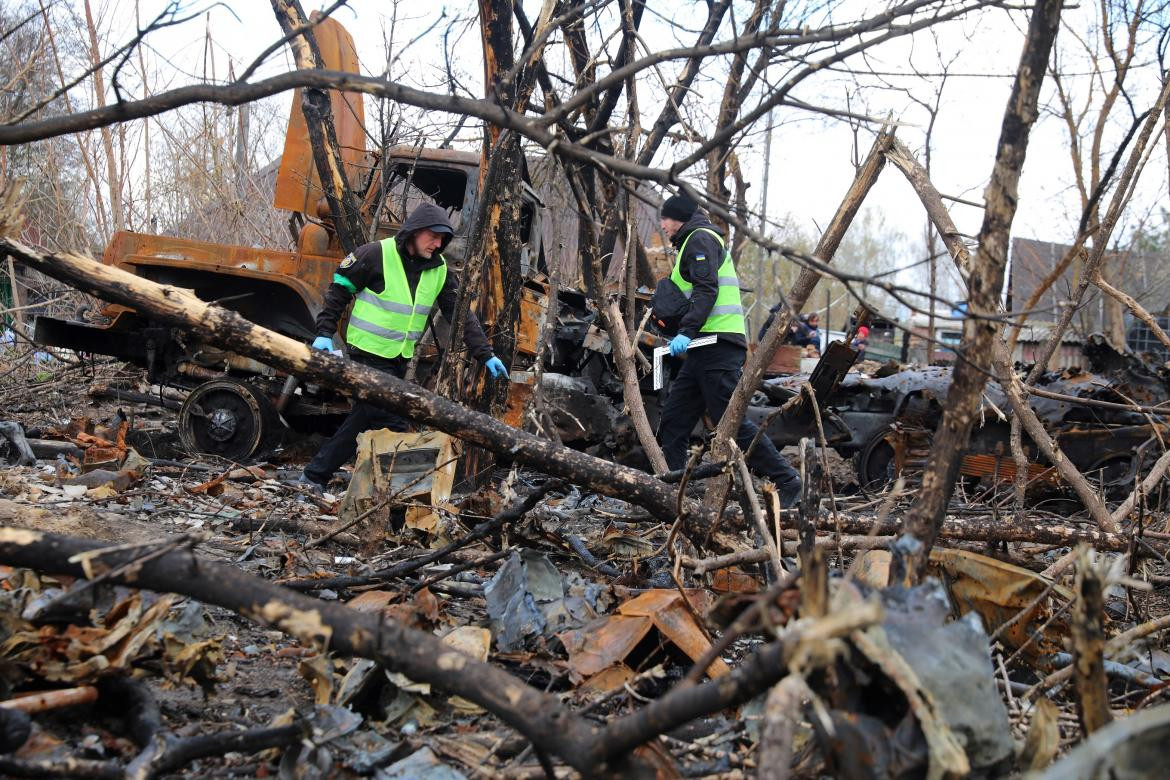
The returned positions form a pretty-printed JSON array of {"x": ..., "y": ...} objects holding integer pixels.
[
  {"x": 705, "y": 273},
  {"x": 397, "y": 282}
]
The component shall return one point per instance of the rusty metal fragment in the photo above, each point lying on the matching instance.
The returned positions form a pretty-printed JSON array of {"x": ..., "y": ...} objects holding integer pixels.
[
  {"x": 1015, "y": 602},
  {"x": 602, "y": 646}
]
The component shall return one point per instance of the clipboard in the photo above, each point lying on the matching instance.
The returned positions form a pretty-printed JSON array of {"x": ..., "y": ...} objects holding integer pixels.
[{"x": 661, "y": 352}]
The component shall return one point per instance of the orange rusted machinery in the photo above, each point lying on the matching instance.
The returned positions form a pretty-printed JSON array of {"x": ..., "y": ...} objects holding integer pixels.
[{"x": 233, "y": 404}]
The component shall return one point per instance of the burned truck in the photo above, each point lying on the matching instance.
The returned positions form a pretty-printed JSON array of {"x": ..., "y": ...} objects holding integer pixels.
[
  {"x": 885, "y": 424},
  {"x": 235, "y": 405}
]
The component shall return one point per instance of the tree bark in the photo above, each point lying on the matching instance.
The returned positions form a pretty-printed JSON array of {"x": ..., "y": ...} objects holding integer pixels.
[
  {"x": 668, "y": 117},
  {"x": 113, "y": 179},
  {"x": 611, "y": 320},
  {"x": 492, "y": 275},
  {"x": 500, "y": 307},
  {"x": 860, "y": 528},
  {"x": 717, "y": 159},
  {"x": 1088, "y": 646},
  {"x": 985, "y": 285}
]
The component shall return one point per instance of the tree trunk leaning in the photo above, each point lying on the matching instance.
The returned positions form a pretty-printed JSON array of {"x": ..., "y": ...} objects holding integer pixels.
[
  {"x": 985, "y": 284},
  {"x": 753, "y": 372}
]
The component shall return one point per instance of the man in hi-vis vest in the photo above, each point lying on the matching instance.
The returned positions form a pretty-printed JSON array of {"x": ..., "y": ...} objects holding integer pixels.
[
  {"x": 705, "y": 273},
  {"x": 397, "y": 281}
]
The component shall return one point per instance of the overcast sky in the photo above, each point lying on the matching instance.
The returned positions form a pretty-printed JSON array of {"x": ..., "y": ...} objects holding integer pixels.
[{"x": 811, "y": 156}]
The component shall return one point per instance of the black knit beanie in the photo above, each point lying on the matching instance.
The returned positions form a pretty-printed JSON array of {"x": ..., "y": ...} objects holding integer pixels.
[{"x": 679, "y": 207}]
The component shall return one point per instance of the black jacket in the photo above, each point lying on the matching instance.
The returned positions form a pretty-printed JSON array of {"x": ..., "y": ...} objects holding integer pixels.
[
  {"x": 700, "y": 266},
  {"x": 363, "y": 269},
  {"x": 800, "y": 332}
]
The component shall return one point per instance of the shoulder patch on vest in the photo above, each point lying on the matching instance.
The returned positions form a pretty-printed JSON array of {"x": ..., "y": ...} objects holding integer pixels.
[{"x": 348, "y": 261}]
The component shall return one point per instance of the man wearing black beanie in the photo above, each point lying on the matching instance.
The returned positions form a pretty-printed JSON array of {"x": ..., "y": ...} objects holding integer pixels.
[{"x": 705, "y": 273}]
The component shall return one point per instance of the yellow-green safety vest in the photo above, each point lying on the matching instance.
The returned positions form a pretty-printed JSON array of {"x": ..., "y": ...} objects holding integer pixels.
[
  {"x": 390, "y": 323},
  {"x": 727, "y": 314}
]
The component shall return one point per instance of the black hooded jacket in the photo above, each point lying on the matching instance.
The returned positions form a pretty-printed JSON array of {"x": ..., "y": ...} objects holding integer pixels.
[
  {"x": 363, "y": 269},
  {"x": 700, "y": 267}
]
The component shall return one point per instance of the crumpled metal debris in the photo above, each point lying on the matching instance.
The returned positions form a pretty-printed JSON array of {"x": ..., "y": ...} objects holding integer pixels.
[
  {"x": 528, "y": 598},
  {"x": 421, "y": 765},
  {"x": 81, "y": 637},
  {"x": 949, "y": 718},
  {"x": 73, "y": 653},
  {"x": 403, "y": 465},
  {"x": 953, "y": 661},
  {"x": 887, "y": 422},
  {"x": 312, "y": 758},
  {"x": 598, "y": 650},
  {"x": 996, "y": 590},
  {"x": 103, "y": 446}
]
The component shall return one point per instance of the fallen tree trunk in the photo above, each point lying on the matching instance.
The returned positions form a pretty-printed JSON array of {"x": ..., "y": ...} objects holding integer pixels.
[
  {"x": 227, "y": 329},
  {"x": 593, "y": 750},
  {"x": 868, "y": 532}
]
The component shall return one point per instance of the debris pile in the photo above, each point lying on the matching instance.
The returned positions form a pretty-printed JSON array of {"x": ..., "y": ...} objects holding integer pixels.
[
  {"x": 577, "y": 597},
  {"x": 410, "y": 624}
]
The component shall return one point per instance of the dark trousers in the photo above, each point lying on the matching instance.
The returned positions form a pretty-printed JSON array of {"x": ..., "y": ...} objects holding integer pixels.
[
  {"x": 705, "y": 383},
  {"x": 342, "y": 445}
]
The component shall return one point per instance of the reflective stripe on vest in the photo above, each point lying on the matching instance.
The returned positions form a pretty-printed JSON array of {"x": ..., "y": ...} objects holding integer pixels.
[
  {"x": 391, "y": 322},
  {"x": 727, "y": 314}
]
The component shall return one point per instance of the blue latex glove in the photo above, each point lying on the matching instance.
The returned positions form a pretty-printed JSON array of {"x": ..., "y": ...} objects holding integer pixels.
[
  {"x": 496, "y": 367},
  {"x": 679, "y": 344},
  {"x": 323, "y": 343}
]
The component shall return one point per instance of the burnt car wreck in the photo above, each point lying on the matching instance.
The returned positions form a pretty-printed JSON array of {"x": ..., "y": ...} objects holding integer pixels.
[{"x": 885, "y": 423}]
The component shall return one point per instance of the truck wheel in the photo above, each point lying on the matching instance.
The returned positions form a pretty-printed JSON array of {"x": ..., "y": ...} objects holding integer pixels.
[
  {"x": 875, "y": 465},
  {"x": 227, "y": 418}
]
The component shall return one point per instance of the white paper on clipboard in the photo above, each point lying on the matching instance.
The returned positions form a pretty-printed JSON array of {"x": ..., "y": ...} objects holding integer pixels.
[{"x": 661, "y": 352}]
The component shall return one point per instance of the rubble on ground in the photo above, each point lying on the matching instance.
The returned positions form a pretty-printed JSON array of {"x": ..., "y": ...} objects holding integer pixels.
[{"x": 578, "y": 595}]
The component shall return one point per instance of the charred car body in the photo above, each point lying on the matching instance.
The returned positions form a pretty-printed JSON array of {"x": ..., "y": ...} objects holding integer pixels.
[{"x": 885, "y": 424}]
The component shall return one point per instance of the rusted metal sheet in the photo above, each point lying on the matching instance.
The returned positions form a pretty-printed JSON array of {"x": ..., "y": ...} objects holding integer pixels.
[
  {"x": 519, "y": 394},
  {"x": 298, "y": 188},
  {"x": 306, "y": 275},
  {"x": 605, "y": 643},
  {"x": 997, "y": 591},
  {"x": 597, "y": 647},
  {"x": 786, "y": 360},
  {"x": 532, "y": 305},
  {"x": 1003, "y": 469}
]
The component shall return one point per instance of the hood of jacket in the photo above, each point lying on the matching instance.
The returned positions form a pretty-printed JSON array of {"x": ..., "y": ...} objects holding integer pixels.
[
  {"x": 425, "y": 216},
  {"x": 698, "y": 220}
]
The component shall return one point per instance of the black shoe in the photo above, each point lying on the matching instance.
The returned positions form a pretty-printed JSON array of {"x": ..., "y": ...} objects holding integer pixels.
[
  {"x": 305, "y": 481},
  {"x": 790, "y": 494}
]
